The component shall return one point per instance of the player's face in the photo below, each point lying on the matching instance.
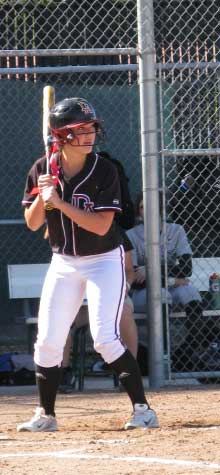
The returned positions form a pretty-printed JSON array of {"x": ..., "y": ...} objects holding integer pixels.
[
  {"x": 84, "y": 136},
  {"x": 141, "y": 209}
]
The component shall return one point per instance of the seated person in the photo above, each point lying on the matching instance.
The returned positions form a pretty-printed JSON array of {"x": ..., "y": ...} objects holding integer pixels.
[
  {"x": 127, "y": 325},
  {"x": 179, "y": 264}
]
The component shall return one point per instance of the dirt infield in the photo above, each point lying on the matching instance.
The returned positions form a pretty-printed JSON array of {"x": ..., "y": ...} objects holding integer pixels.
[{"x": 91, "y": 439}]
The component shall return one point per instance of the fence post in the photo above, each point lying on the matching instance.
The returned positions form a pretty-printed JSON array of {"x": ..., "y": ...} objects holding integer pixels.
[{"x": 150, "y": 177}]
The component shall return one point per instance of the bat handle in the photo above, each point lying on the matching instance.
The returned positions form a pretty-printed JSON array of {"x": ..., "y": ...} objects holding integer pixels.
[
  {"x": 48, "y": 206},
  {"x": 47, "y": 150}
]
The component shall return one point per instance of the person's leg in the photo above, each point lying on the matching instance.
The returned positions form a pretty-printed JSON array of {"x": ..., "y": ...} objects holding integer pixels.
[
  {"x": 128, "y": 328},
  {"x": 58, "y": 307},
  {"x": 105, "y": 308},
  {"x": 139, "y": 298},
  {"x": 183, "y": 294},
  {"x": 82, "y": 317},
  {"x": 67, "y": 350},
  {"x": 66, "y": 362},
  {"x": 61, "y": 298}
]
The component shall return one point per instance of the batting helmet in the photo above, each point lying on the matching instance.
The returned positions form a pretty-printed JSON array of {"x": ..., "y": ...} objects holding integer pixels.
[{"x": 71, "y": 112}]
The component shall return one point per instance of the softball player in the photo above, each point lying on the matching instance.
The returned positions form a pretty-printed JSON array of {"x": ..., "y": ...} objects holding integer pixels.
[
  {"x": 83, "y": 191},
  {"x": 179, "y": 260}
]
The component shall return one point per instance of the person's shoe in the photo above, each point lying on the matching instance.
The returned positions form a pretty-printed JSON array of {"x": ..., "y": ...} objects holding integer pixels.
[
  {"x": 142, "y": 417},
  {"x": 39, "y": 423},
  {"x": 100, "y": 366}
]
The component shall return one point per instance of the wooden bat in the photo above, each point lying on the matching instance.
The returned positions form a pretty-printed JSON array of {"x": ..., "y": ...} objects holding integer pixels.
[{"x": 48, "y": 102}]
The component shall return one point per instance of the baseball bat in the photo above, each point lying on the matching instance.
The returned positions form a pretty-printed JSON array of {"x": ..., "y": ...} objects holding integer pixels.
[{"x": 48, "y": 102}]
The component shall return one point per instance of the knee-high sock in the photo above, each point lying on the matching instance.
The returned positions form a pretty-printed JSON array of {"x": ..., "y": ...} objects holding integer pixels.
[
  {"x": 128, "y": 372},
  {"x": 48, "y": 380}
]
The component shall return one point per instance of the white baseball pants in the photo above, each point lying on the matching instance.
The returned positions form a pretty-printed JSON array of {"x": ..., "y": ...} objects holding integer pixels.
[{"x": 102, "y": 278}]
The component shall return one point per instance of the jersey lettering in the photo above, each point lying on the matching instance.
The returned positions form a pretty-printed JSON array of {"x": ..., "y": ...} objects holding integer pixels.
[
  {"x": 82, "y": 201},
  {"x": 85, "y": 107}
]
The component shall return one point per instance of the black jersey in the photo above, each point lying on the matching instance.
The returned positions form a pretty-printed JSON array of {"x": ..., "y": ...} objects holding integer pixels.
[
  {"x": 95, "y": 188},
  {"x": 127, "y": 244}
]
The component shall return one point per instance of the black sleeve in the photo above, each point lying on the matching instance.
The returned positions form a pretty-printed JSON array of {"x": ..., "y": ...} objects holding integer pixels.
[
  {"x": 126, "y": 241},
  {"x": 109, "y": 195},
  {"x": 31, "y": 188},
  {"x": 126, "y": 219}
]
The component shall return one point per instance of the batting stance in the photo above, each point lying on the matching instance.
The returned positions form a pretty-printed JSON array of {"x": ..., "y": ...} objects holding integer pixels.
[{"x": 83, "y": 192}]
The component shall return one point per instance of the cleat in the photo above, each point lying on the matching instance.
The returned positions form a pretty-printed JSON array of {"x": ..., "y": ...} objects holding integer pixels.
[
  {"x": 39, "y": 423},
  {"x": 142, "y": 417}
]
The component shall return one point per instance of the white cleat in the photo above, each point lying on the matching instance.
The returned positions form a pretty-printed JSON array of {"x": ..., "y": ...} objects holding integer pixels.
[
  {"x": 142, "y": 417},
  {"x": 39, "y": 423}
]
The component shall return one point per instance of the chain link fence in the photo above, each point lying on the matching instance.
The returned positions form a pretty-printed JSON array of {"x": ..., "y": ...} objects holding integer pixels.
[
  {"x": 84, "y": 49},
  {"x": 90, "y": 49},
  {"x": 187, "y": 50},
  {"x": 55, "y": 24}
]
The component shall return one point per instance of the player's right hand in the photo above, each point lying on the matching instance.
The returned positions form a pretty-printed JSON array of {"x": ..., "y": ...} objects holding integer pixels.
[{"x": 47, "y": 191}]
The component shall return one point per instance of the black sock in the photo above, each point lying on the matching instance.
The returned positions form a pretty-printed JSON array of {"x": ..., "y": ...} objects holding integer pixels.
[
  {"x": 48, "y": 380},
  {"x": 128, "y": 372}
]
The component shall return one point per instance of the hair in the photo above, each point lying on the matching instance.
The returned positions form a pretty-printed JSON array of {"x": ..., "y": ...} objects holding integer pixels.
[
  {"x": 140, "y": 198},
  {"x": 137, "y": 204},
  {"x": 105, "y": 154}
]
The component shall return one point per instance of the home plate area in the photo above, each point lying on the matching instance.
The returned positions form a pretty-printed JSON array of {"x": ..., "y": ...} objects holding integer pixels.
[{"x": 91, "y": 438}]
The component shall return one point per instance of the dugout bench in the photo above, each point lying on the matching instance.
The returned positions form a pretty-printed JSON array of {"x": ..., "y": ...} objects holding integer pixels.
[{"x": 25, "y": 282}]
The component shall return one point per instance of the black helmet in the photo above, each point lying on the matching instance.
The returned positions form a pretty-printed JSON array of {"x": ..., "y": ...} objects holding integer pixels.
[{"x": 70, "y": 113}]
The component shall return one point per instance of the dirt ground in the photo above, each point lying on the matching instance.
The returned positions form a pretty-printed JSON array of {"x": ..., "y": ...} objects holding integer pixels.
[{"x": 91, "y": 439}]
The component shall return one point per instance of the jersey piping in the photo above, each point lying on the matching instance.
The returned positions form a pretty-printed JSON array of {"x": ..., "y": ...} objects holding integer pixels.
[
  {"x": 73, "y": 193},
  {"x": 121, "y": 293}
]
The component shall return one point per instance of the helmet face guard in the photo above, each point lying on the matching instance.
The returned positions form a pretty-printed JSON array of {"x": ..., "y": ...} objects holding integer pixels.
[
  {"x": 69, "y": 114},
  {"x": 67, "y": 134}
]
